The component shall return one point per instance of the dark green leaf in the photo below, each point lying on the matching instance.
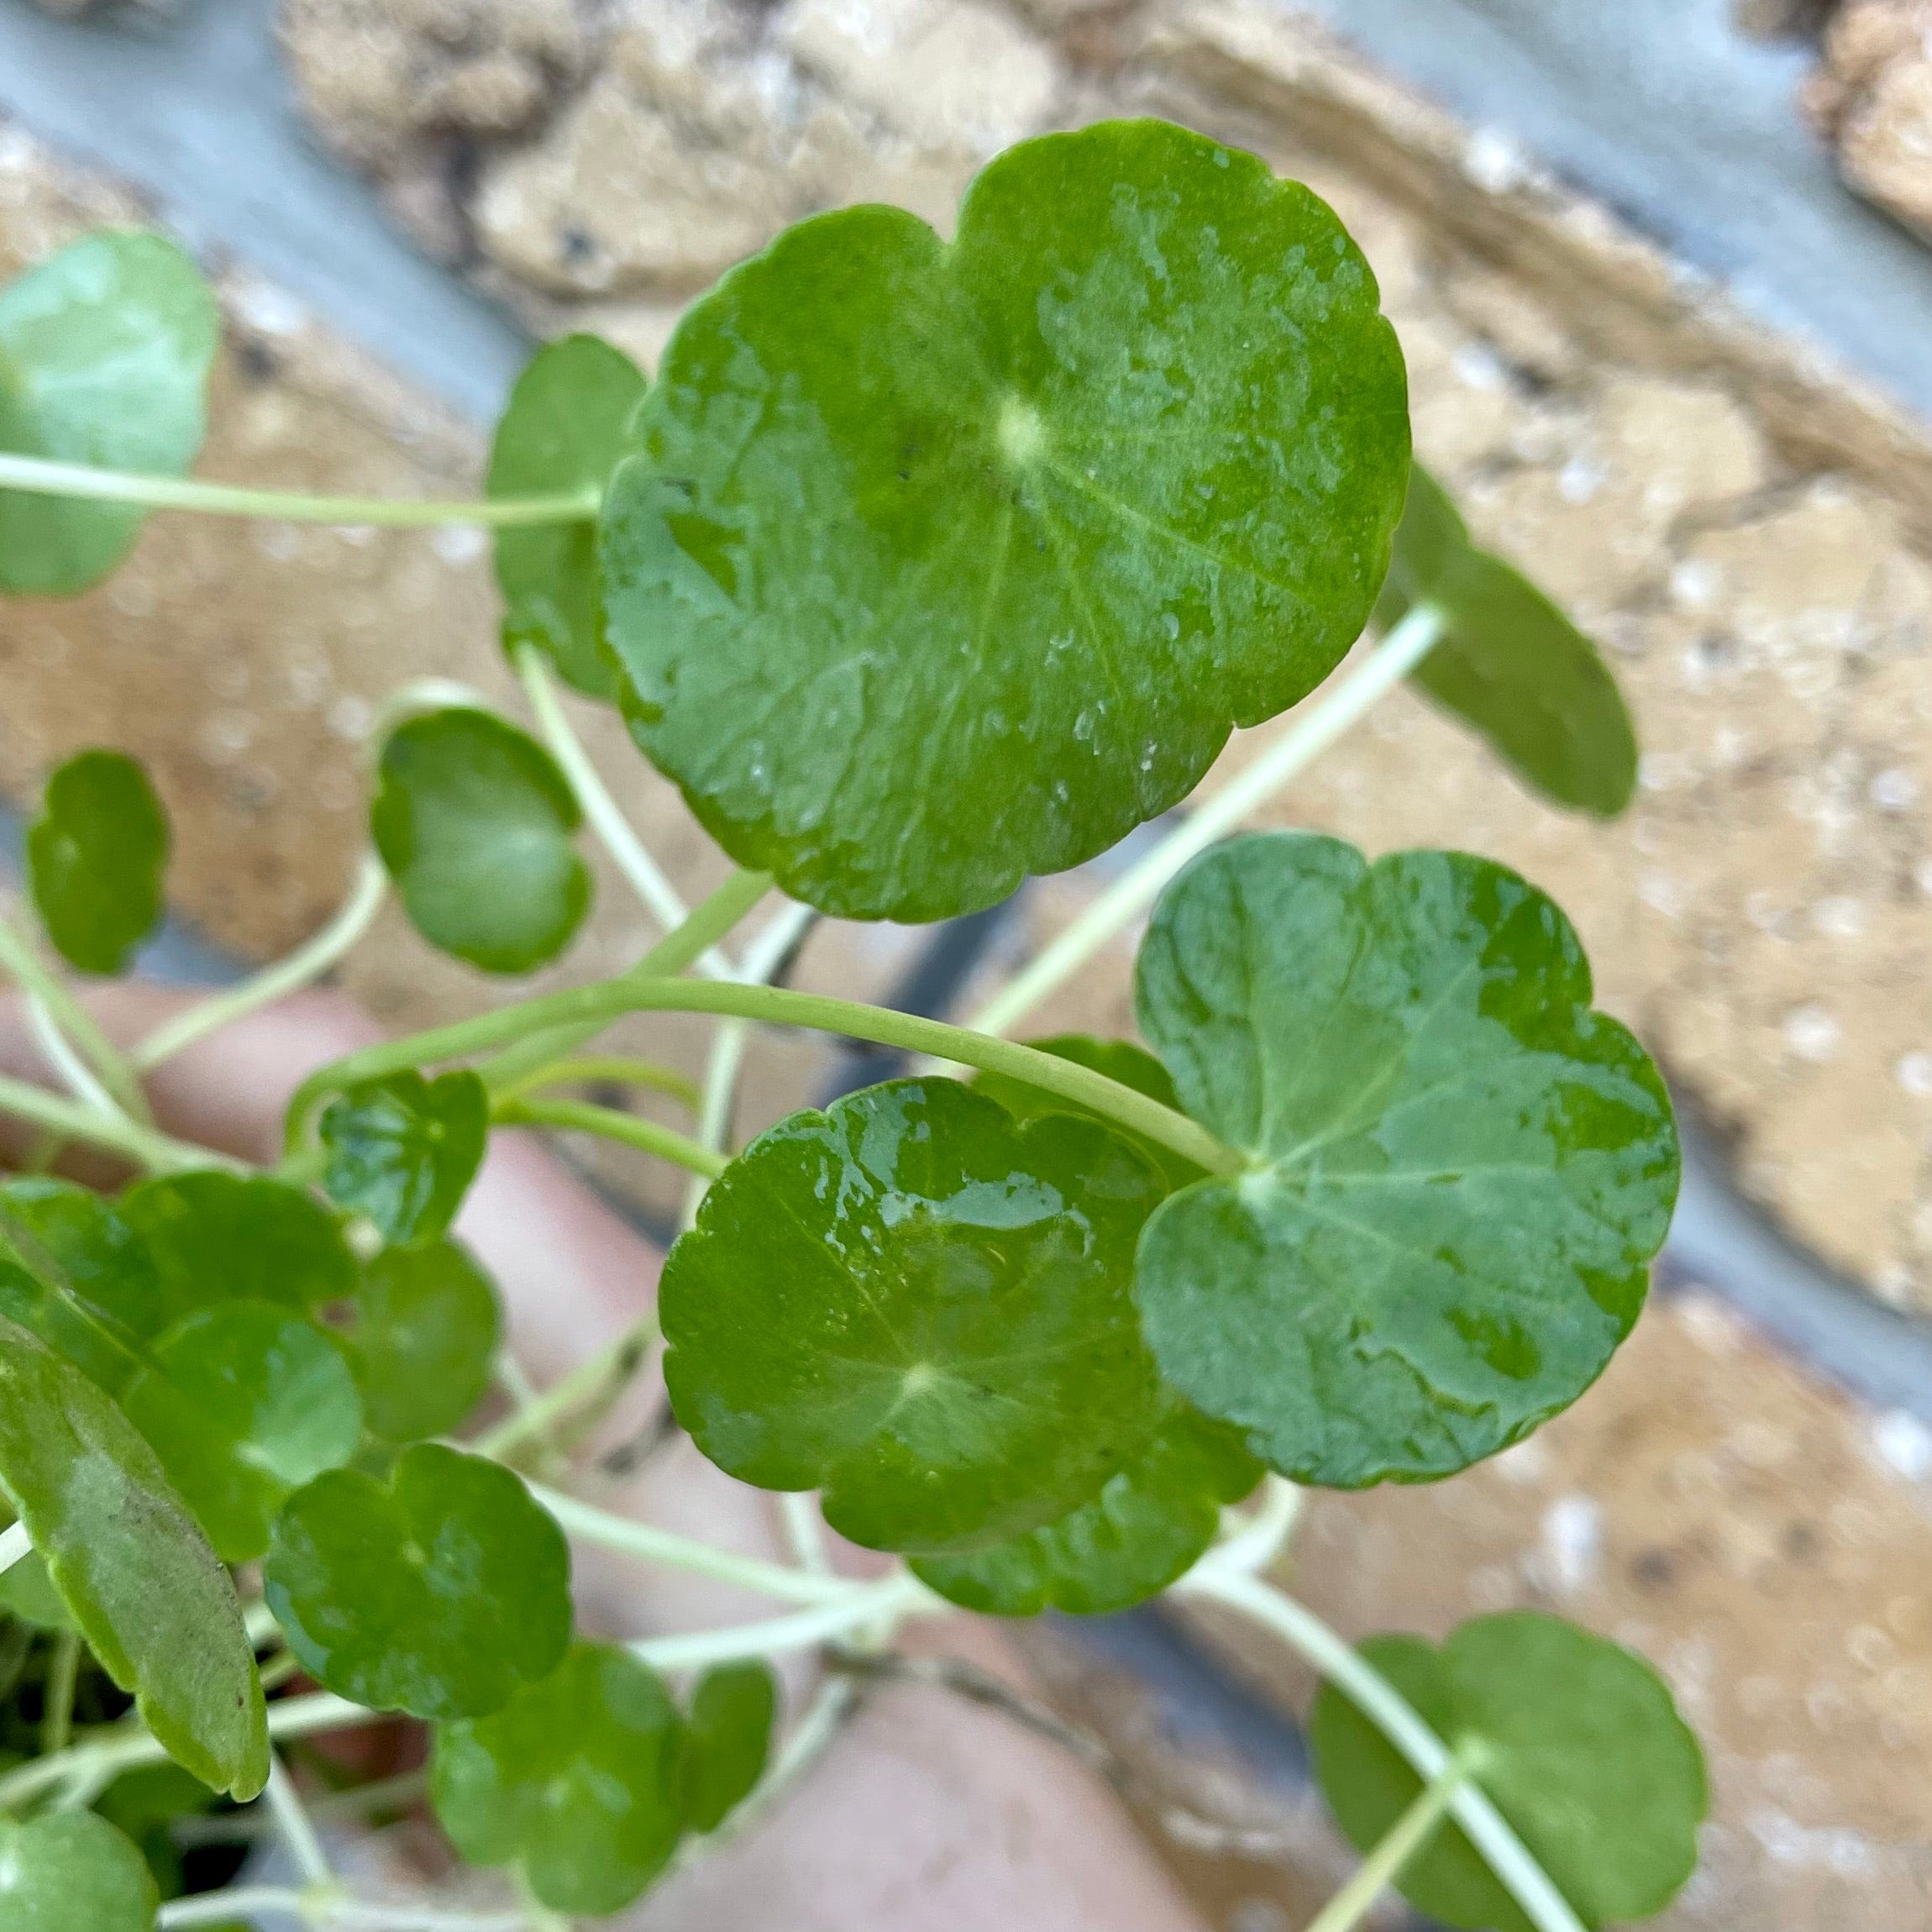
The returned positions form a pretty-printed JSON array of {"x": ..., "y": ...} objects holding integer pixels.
[
  {"x": 728, "y": 1737},
  {"x": 567, "y": 426},
  {"x": 921, "y": 1309},
  {"x": 1155, "y": 1516},
  {"x": 152, "y": 1598},
  {"x": 104, "y": 359},
  {"x": 440, "y": 1593},
  {"x": 73, "y": 1271},
  {"x": 95, "y": 856},
  {"x": 1510, "y": 662},
  {"x": 1461, "y": 1172},
  {"x": 426, "y": 1332},
  {"x": 575, "y": 1779},
  {"x": 244, "y": 1403},
  {"x": 474, "y": 821},
  {"x": 146, "y": 1803},
  {"x": 72, "y": 1872},
  {"x": 403, "y": 1151},
  {"x": 217, "y": 1237},
  {"x": 948, "y": 564},
  {"x": 1576, "y": 1741}
]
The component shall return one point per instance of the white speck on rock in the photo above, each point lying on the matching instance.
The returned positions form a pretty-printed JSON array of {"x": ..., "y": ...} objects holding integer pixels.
[
  {"x": 1812, "y": 1033},
  {"x": 1572, "y": 1542},
  {"x": 1904, "y": 1444}
]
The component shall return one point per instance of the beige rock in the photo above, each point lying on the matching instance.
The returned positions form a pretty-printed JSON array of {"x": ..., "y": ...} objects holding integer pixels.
[{"x": 1873, "y": 98}]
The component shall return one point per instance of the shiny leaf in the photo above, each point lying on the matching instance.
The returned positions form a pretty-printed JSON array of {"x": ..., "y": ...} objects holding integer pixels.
[
  {"x": 71, "y": 1872},
  {"x": 727, "y": 1738},
  {"x": 73, "y": 1271},
  {"x": 425, "y": 1334},
  {"x": 402, "y": 1150},
  {"x": 96, "y": 857}
]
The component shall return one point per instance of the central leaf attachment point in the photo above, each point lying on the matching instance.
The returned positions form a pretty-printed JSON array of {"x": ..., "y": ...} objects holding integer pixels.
[{"x": 1022, "y": 433}]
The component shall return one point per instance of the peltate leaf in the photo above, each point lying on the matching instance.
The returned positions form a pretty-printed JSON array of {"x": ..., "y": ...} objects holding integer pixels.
[
  {"x": 920, "y": 1309},
  {"x": 244, "y": 1403},
  {"x": 441, "y": 1592},
  {"x": 95, "y": 856},
  {"x": 402, "y": 1150},
  {"x": 727, "y": 1738},
  {"x": 72, "y": 1872},
  {"x": 567, "y": 425},
  {"x": 104, "y": 357},
  {"x": 946, "y": 564},
  {"x": 427, "y": 1323},
  {"x": 576, "y": 1779},
  {"x": 1577, "y": 1741},
  {"x": 1460, "y": 1170},
  {"x": 474, "y": 821},
  {"x": 1156, "y": 1515},
  {"x": 152, "y": 1598},
  {"x": 1510, "y": 662}
]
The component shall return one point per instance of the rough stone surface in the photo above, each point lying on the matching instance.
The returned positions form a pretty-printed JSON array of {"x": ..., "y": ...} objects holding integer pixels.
[{"x": 1872, "y": 99}]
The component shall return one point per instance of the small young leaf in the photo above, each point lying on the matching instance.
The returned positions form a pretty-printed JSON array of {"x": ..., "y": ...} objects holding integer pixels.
[
  {"x": 72, "y": 1872},
  {"x": 911, "y": 1304},
  {"x": 474, "y": 821},
  {"x": 73, "y": 1271},
  {"x": 1510, "y": 662},
  {"x": 244, "y": 1403},
  {"x": 1156, "y": 1515},
  {"x": 576, "y": 1779},
  {"x": 567, "y": 425},
  {"x": 439, "y": 1592},
  {"x": 216, "y": 1237},
  {"x": 152, "y": 1598},
  {"x": 727, "y": 1738},
  {"x": 1461, "y": 1172},
  {"x": 946, "y": 564},
  {"x": 104, "y": 359},
  {"x": 427, "y": 1323},
  {"x": 403, "y": 1150},
  {"x": 95, "y": 859},
  {"x": 1575, "y": 1739}
]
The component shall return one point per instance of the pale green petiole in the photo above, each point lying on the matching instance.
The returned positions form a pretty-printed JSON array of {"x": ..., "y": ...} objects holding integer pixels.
[
  {"x": 75, "y": 1121},
  {"x": 75, "y": 1023},
  {"x": 1404, "y": 1841},
  {"x": 16, "y": 1545},
  {"x": 613, "y": 1124}
]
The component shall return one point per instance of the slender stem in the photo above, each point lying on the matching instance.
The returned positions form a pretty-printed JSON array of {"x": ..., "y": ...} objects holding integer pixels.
[
  {"x": 612, "y": 1069},
  {"x": 1257, "y": 1542},
  {"x": 590, "y": 1524},
  {"x": 302, "y": 967},
  {"x": 884, "y": 1602},
  {"x": 238, "y": 1904},
  {"x": 23, "y": 960},
  {"x": 805, "y": 1530},
  {"x": 63, "y": 1674},
  {"x": 613, "y": 1124},
  {"x": 1403, "y": 1842},
  {"x": 291, "y": 1821},
  {"x": 606, "y": 1373},
  {"x": 76, "y": 1076},
  {"x": 41, "y": 478},
  {"x": 323, "y": 1908},
  {"x": 1136, "y": 889},
  {"x": 118, "y": 1135},
  {"x": 16, "y": 1545},
  {"x": 1391, "y": 1714},
  {"x": 592, "y": 1007}
]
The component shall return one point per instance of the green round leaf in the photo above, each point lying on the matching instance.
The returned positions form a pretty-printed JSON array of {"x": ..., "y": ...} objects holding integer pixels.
[
  {"x": 920, "y": 1309},
  {"x": 1510, "y": 662},
  {"x": 96, "y": 857},
  {"x": 567, "y": 425},
  {"x": 152, "y": 1598},
  {"x": 943, "y": 565},
  {"x": 72, "y": 1872},
  {"x": 147, "y": 1804},
  {"x": 73, "y": 1271},
  {"x": 1461, "y": 1172},
  {"x": 1156, "y": 1515},
  {"x": 1576, "y": 1741},
  {"x": 403, "y": 1151},
  {"x": 427, "y": 1323},
  {"x": 243, "y": 1403},
  {"x": 576, "y": 1779},
  {"x": 727, "y": 1738},
  {"x": 474, "y": 821},
  {"x": 216, "y": 1237},
  {"x": 104, "y": 359},
  {"x": 439, "y": 1592}
]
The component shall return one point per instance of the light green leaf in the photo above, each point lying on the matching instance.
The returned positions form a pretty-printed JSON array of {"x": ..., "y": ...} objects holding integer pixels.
[
  {"x": 71, "y": 1872},
  {"x": 1574, "y": 1738},
  {"x": 27, "y": 1592},
  {"x": 474, "y": 821},
  {"x": 727, "y": 1738},
  {"x": 151, "y": 1597},
  {"x": 244, "y": 1403},
  {"x": 96, "y": 857},
  {"x": 73, "y": 1271},
  {"x": 920, "y": 1309},
  {"x": 1461, "y": 1172},
  {"x": 440, "y": 1593},
  {"x": 1510, "y": 662},
  {"x": 427, "y": 1324},
  {"x": 403, "y": 1151},
  {"x": 567, "y": 425},
  {"x": 216, "y": 1237},
  {"x": 575, "y": 1779},
  {"x": 104, "y": 357},
  {"x": 1156, "y": 1515},
  {"x": 943, "y": 565}
]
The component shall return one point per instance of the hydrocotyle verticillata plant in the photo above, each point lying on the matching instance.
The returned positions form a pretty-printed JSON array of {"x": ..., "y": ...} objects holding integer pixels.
[{"x": 921, "y": 567}]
